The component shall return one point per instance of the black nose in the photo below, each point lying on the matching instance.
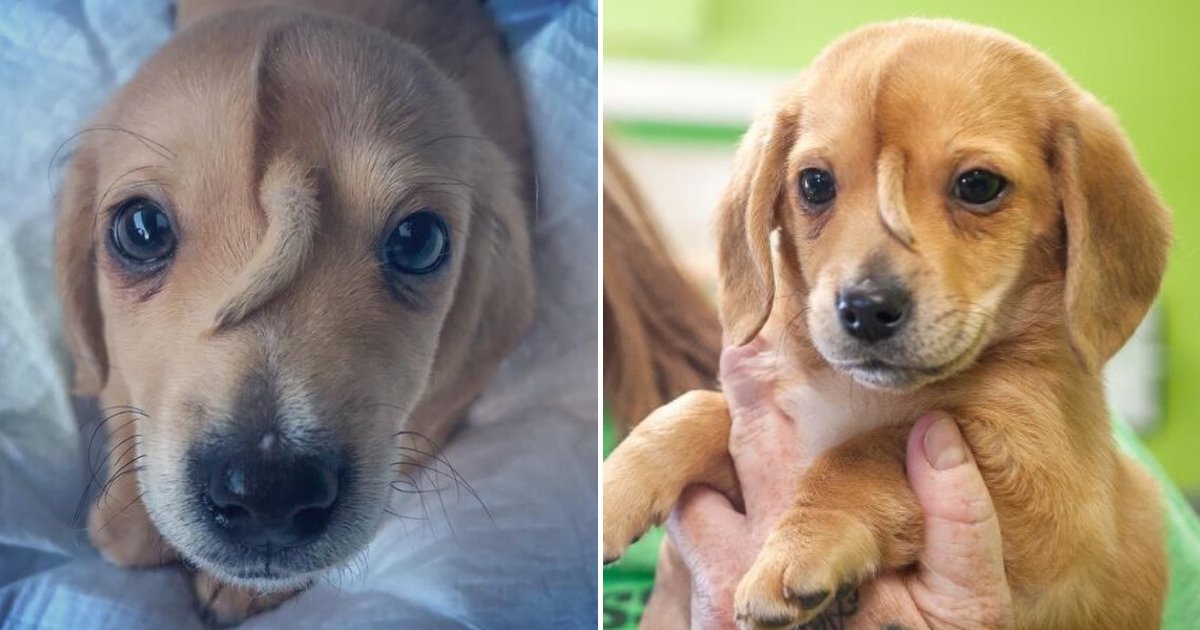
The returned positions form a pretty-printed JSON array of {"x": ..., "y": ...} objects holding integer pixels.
[
  {"x": 262, "y": 497},
  {"x": 871, "y": 311}
]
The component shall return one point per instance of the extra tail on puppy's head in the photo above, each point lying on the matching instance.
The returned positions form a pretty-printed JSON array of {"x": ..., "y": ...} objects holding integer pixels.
[{"x": 661, "y": 336}]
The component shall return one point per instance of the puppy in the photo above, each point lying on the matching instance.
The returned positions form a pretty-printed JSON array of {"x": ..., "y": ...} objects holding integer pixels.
[
  {"x": 957, "y": 226},
  {"x": 292, "y": 250}
]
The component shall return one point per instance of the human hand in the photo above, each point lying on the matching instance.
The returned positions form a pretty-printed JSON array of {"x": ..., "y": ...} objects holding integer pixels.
[{"x": 959, "y": 582}]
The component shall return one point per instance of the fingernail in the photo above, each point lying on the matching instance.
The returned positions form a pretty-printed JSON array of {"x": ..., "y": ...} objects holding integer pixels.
[{"x": 944, "y": 446}]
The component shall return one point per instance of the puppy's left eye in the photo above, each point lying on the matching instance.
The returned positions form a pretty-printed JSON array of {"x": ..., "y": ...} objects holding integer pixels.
[
  {"x": 978, "y": 187},
  {"x": 420, "y": 244},
  {"x": 817, "y": 187},
  {"x": 141, "y": 232}
]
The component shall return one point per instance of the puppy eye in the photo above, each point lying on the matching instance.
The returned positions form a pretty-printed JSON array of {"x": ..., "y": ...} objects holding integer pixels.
[
  {"x": 418, "y": 245},
  {"x": 817, "y": 187},
  {"x": 978, "y": 187},
  {"x": 141, "y": 231}
]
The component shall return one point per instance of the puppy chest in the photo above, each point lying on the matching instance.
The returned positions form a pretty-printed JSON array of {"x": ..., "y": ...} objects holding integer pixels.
[{"x": 828, "y": 412}]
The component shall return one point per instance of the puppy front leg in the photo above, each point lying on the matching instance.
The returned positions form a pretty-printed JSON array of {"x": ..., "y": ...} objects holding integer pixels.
[
  {"x": 854, "y": 516},
  {"x": 683, "y": 442},
  {"x": 225, "y": 605},
  {"x": 118, "y": 524}
]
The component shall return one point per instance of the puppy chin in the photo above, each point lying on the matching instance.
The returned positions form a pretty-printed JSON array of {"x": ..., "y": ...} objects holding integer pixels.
[
  {"x": 261, "y": 578},
  {"x": 887, "y": 378},
  {"x": 897, "y": 375},
  {"x": 268, "y": 584}
]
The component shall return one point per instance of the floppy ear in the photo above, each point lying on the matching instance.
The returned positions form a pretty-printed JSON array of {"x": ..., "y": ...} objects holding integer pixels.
[
  {"x": 1117, "y": 236},
  {"x": 745, "y": 218},
  {"x": 75, "y": 269}
]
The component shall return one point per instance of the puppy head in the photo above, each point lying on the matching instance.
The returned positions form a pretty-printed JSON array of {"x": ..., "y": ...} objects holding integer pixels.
[
  {"x": 286, "y": 243},
  {"x": 926, "y": 179}
]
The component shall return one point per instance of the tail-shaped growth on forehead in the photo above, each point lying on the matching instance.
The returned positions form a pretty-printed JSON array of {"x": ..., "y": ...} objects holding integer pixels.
[
  {"x": 893, "y": 212},
  {"x": 289, "y": 197}
]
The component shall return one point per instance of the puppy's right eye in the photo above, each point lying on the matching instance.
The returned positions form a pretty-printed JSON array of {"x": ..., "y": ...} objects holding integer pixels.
[
  {"x": 979, "y": 188},
  {"x": 419, "y": 245},
  {"x": 817, "y": 188},
  {"x": 141, "y": 231}
]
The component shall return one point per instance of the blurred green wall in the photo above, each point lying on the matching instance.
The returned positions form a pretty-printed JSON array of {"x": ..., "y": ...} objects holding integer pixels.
[{"x": 1141, "y": 58}]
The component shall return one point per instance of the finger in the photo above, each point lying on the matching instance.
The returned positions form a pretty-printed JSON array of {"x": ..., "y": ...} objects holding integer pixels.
[
  {"x": 963, "y": 560},
  {"x": 710, "y": 538},
  {"x": 705, "y": 529},
  {"x": 743, "y": 375},
  {"x": 670, "y": 603},
  {"x": 762, "y": 439},
  {"x": 884, "y": 602}
]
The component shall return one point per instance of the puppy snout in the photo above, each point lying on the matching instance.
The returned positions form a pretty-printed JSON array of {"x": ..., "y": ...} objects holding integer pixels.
[
  {"x": 272, "y": 499},
  {"x": 873, "y": 310}
]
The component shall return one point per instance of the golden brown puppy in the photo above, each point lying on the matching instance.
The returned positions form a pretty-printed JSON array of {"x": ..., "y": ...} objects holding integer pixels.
[
  {"x": 301, "y": 229},
  {"x": 961, "y": 227}
]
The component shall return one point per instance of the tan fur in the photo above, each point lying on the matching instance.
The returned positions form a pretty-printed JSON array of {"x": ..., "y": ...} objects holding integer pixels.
[
  {"x": 289, "y": 199},
  {"x": 1016, "y": 311},
  {"x": 285, "y": 140}
]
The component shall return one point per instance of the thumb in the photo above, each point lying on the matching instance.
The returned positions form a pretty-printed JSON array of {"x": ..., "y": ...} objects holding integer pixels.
[{"x": 963, "y": 558}]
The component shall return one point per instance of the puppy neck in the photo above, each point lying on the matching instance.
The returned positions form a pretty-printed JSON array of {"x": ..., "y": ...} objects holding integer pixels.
[{"x": 827, "y": 406}]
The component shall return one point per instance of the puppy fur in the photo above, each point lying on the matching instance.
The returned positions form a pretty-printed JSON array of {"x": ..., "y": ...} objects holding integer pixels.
[
  {"x": 285, "y": 140},
  {"x": 1016, "y": 310}
]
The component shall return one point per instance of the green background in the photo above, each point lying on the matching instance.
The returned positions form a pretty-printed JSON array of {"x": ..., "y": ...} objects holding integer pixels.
[{"x": 1141, "y": 58}]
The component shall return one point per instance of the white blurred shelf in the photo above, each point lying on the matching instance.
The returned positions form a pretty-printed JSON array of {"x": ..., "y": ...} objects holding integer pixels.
[{"x": 656, "y": 91}]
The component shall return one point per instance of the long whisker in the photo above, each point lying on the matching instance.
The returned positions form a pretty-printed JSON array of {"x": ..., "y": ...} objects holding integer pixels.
[
  {"x": 454, "y": 474},
  {"x": 429, "y": 462},
  {"x": 122, "y": 410},
  {"x": 122, "y": 510},
  {"x": 129, "y": 467}
]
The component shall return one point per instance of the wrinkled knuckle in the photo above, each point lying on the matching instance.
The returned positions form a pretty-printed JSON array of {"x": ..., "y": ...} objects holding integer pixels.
[
  {"x": 976, "y": 510},
  {"x": 748, "y": 430},
  {"x": 996, "y": 617},
  {"x": 684, "y": 515},
  {"x": 734, "y": 358},
  {"x": 981, "y": 613}
]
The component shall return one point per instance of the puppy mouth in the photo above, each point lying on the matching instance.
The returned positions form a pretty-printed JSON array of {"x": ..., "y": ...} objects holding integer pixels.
[
  {"x": 879, "y": 365},
  {"x": 266, "y": 568},
  {"x": 880, "y": 373},
  {"x": 259, "y": 573},
  {"x": 886, "y": 375},
  {"x": 269, "y": 565}
]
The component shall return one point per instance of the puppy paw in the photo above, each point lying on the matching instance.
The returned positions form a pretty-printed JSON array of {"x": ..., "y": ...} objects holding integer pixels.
[
  {"x": 806, "y": 562},
  {"x": 225, "y": 605},
  {"x": 683, "y": 442},
  {"x": 124, "y": 534},
  {"x": 629, "y": 512}
]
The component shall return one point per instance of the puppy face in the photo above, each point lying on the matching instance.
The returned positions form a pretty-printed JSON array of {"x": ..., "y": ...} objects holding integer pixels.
[
  {"x": 913, "y": 213},
  {"x": 927, "y": 179},
  {"x": 284, "y": 250}
]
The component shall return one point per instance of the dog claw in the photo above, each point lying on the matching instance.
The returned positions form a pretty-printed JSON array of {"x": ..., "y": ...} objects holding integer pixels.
[
  {"x": 811, "y": 600},
  {"x": 766, "y": 622}
]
